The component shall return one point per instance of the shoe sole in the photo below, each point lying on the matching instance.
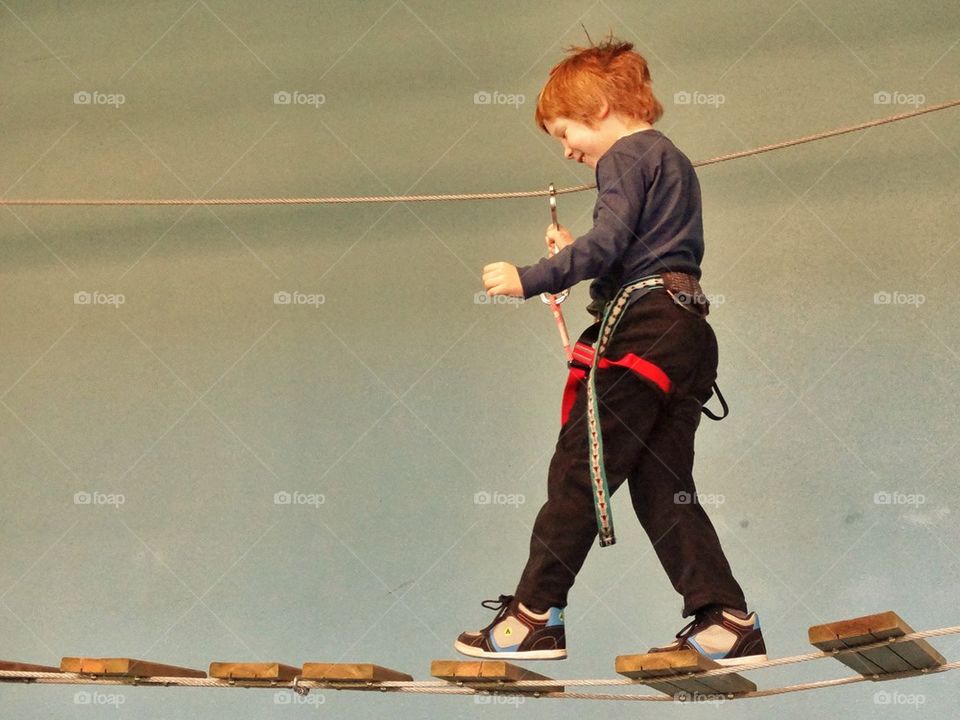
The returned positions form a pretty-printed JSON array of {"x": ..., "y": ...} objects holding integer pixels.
[
  {"x": 741, "y": 660},
  {"x": 471, "y": 651}
]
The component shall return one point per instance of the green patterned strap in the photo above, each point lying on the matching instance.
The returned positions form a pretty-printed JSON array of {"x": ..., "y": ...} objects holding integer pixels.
[{"x": 598, "y": 474}]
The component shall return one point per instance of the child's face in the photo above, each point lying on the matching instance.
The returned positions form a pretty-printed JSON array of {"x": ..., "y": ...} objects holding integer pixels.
[{"x": 580, "y": 142}]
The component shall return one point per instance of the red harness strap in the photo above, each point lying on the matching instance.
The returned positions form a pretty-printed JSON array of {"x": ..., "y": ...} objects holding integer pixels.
[
  {"x": 583, "y": 355},
  {"x": 570, "y": 391},
  {"x": 643, "y": 368}
]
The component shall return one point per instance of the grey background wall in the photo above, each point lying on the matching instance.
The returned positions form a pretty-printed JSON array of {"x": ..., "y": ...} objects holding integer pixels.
[{"x": 144, "y": 443}]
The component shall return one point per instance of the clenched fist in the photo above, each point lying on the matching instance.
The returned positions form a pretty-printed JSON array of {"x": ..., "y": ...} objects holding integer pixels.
[{"x": 502, "y": 278}]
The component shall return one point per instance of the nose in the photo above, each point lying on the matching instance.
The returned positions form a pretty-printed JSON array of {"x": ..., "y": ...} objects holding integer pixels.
[{"x": 567, "y": 152}]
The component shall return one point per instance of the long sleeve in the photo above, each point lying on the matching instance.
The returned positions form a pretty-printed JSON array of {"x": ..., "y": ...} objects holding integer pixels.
[
  {"x": 647, "y": 219},
  {"x": 620, "y": 197}
]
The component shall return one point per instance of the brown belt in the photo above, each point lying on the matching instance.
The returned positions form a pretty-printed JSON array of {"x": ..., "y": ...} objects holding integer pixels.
[
  {"x": 686, "y": 290},
  {"x": 683, "y": 288}
]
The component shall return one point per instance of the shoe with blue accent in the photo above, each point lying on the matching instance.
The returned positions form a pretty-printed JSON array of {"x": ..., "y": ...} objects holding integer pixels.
[
  {"x": 516, "y": 633},
  {"x": 725, "y": 635}
]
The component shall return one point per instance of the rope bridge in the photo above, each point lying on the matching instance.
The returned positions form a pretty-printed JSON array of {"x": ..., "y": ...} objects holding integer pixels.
[{"x": 881, "y": 647}]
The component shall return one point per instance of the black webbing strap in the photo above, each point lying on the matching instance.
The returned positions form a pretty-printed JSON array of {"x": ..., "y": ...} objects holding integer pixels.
[{"x": 723, "y": 404}]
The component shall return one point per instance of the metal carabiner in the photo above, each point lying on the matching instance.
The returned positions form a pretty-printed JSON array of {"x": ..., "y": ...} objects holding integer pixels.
[{"x": 547, "y": 298}]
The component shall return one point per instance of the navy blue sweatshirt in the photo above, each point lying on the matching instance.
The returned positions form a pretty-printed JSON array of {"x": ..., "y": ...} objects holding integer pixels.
[{"x": 647, "y": 220}]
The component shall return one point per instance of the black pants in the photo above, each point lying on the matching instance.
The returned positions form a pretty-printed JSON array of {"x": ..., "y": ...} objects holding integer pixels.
[{"x": 648, "y": 438}]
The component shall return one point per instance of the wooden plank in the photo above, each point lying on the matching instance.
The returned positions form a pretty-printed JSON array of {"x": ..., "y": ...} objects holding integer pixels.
[
  {"x": 470, "y": 672},
  {"x": 897, "y": 657},
  {"x": 253, "y": 671},
  {"x": 648, "y": 667},
  {"x": 26, "y": 667},
  {"x": 350, "y": 672},
  {"x": 125, "y": 667}
]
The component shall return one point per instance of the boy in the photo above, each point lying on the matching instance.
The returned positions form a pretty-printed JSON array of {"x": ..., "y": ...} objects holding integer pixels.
[{"x": 656, "y": 364}]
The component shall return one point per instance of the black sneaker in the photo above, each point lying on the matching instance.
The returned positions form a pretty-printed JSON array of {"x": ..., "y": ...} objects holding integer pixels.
[
  {"x": 515, "y": 634},
  {"x": 725, "y": 635}
]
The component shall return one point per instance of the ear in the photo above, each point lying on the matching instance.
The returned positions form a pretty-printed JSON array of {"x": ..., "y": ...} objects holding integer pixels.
[{"x": 604, "y": 110}]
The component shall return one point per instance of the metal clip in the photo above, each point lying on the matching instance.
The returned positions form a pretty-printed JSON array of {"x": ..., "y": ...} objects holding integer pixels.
[
  {"x": 298, "y": 688},
  {"x": 561, "y": 296}
]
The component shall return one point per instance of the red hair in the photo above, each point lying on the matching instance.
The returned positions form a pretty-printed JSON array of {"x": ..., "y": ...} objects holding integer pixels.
[{"x": 610, "y": 71}]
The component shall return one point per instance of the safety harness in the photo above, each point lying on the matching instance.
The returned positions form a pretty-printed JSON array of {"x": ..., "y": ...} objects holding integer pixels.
[
  {"x": 587, "y": 359},
  {"x": 584, "y": 360}
]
